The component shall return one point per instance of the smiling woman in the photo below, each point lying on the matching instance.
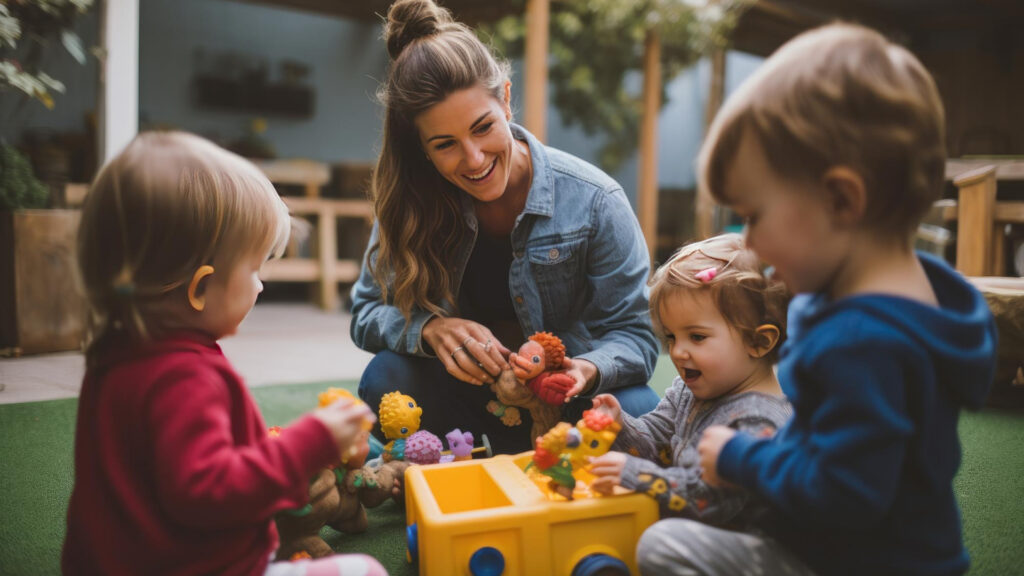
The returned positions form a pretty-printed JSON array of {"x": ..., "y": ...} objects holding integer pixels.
[{"x": 484, "y": 235}]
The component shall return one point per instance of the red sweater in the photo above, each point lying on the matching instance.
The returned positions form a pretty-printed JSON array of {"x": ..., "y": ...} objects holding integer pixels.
[{"x": 174, "y": 470}]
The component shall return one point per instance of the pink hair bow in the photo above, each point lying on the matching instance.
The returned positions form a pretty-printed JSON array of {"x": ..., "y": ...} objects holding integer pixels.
[{"x": 707, "y": 275}]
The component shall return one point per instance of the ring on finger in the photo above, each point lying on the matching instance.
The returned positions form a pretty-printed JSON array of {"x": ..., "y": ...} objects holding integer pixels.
[
  {"x": 456, "y": 350},
  {"x": 487, "y": 346},
  {"x": 466, "y": 341}
]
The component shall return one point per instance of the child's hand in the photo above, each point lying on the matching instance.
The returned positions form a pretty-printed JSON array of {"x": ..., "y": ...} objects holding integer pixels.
[
  {"x": 710, "y": 445},
  {"x": 346, "y": 420},
  {"x": 609, "y": 405},
  {"x": 608, "y": 470}
]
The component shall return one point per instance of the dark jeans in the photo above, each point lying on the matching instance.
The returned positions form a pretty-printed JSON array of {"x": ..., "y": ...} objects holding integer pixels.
[{"x": 449, "y": 403}]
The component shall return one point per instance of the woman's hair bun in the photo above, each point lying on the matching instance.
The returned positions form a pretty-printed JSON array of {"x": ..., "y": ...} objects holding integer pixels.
[{"x": 410, "y": 20}]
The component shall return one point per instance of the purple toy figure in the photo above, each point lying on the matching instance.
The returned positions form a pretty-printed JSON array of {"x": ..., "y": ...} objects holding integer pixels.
[
  {"x": 423, "y": 448},
  {"x": 460, "y": 444}
]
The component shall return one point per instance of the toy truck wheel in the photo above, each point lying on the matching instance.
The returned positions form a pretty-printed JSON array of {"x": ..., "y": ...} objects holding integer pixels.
[
  {"x": 487, "y": 561},
  {"x": 600, "y": 564},
  {"x": 411, "y": 543}
]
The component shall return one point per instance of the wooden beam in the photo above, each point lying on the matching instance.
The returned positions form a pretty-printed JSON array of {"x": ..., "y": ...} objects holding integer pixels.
[
  {"x": 535, "y": 90},
  {"x": 119, "y": 77},
  {"x": 975, "y": 206},
  {"x": 647, "y": 187},
  {"x": 705, "y": 206}
]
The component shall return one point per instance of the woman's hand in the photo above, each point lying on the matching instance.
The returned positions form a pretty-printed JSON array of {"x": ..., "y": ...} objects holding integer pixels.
[
  {"x": 709, "y": 447},
  {"x": 609, "y": 405},
  {"x": 583, "y": 372},
  {"x": 468, "y": 350},
  {"x": 608, "y": 469}
]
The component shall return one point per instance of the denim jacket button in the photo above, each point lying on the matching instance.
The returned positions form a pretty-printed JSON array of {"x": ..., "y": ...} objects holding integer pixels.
[
  {"x": 518, "y": 254},
  {"x": 553, "y": 253},
  {"x": 519, "y": 299}
]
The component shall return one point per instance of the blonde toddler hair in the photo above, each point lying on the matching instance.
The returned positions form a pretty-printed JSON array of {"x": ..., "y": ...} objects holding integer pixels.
[
  {"x": 840, "y": 95},
  {"x": 744, "y": 296},
  {"x": 168, "y": 204}
]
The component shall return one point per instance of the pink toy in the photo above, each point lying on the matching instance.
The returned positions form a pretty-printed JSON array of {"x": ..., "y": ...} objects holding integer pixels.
[{"x": 423, "y": 447}]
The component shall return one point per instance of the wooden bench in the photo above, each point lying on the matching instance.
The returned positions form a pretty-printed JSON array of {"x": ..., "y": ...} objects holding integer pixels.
[
  {"x": 981, "y": 218},
  {"x": 325, "y": 269}
]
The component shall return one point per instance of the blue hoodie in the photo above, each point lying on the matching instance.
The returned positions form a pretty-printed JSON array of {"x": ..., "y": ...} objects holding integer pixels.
[{"x": 861, "y": 478}]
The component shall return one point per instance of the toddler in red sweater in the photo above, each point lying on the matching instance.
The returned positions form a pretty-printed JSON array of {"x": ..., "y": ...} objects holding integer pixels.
[{"x": 174, "y": 470}]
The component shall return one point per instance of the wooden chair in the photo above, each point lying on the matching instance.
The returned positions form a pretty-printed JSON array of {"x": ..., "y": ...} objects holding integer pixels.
[
  {"x": 982, "y": 219},
  {"x": 324, "y": 268}
]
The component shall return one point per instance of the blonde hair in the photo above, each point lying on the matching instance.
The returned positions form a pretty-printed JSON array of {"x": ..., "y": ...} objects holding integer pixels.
[
  {"x": 840, "y": 95},
  {"x": 418, "y": 212},
  {"x": 738, "y": 287},
  {"x": 168, "y": 204}
]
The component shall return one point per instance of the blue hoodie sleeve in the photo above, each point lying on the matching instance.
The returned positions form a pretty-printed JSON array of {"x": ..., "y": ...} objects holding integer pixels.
[{"x": 839, "y": 461}]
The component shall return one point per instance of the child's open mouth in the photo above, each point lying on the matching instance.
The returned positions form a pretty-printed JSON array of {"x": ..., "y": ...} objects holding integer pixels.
[{"x": 690, "y": 374}]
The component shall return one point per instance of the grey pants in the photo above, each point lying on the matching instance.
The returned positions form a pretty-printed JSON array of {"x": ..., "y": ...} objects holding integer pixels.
[{"x": 689, "y": 548}]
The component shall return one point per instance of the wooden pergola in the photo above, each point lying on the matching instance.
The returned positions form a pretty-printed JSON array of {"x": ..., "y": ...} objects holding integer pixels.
[{"x": 763, "y": 28}]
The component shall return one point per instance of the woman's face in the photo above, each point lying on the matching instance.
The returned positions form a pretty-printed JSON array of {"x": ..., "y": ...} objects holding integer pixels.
[{"x": 468, "y": 139}]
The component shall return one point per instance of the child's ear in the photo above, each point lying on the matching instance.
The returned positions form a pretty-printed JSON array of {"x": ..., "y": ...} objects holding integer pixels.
[
  {"x": 847, "y": 195},
  {"x": 766, "y": 336},
  {"x": 197, "y": 288}
]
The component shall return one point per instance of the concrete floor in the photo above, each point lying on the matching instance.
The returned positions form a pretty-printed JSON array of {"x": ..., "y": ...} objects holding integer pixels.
[{"x": 278, "y": 343}]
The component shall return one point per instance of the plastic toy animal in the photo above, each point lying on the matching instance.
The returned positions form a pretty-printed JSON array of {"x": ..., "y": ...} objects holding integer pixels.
[
  {"x": 399, "y": 418},
  {"x": 338, "y": 496},
  {"x": 535, "y": 383},
  {"x": 561, "y": 453},
  {"x": 423, "y": 447},
  {"x": 460, "y": 444}
]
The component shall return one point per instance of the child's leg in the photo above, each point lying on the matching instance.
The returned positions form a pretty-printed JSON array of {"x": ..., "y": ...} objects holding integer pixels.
[
  {"x": 338, "y": 565},
  {"x": 689, "y": 548}
]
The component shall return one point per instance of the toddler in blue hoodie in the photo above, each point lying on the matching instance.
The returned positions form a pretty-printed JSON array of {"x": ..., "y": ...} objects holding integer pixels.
[{"x": 831, "y": 152}]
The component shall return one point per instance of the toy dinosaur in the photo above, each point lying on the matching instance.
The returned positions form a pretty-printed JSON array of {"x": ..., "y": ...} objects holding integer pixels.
[
  {"x": 534, "y": 382},
  {"x": 561, "y": 453},
  {"x": 338, "y": 496}
]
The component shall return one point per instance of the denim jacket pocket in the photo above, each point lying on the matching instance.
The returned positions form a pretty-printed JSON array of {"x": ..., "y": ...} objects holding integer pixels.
[{"x": 559, "y": 270}]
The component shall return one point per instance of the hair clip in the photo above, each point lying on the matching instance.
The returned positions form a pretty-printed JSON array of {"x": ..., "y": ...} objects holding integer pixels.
[
  {"x": 707, "y": 275},
  {"x": 123, "y": 285}
]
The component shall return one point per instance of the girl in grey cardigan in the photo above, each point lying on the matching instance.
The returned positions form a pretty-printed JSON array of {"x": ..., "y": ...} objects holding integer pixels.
[{"x": 722, "y": 321}]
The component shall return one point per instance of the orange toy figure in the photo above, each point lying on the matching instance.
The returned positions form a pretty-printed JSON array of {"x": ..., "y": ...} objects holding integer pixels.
[
  {"x": 562, "y": 453},
  {"x": 338, "y": 496},
  {"x": 535, "y": 382}
]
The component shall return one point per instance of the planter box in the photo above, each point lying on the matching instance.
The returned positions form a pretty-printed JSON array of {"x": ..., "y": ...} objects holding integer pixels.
[{"x": 41, "y": 309}]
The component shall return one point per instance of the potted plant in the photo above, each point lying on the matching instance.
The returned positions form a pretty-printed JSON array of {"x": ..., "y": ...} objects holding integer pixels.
[{"x": 40, "y": 307}]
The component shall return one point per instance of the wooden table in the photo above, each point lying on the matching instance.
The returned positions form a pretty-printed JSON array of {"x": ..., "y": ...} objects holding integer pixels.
[{"x": 324, "y": 268}]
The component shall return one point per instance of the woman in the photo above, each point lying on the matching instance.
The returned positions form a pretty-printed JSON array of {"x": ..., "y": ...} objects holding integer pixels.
[{"x": 485, "y": 236}]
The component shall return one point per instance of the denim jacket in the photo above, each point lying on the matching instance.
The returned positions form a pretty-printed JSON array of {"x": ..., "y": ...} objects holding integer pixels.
[{"x": 580, "y": 271}]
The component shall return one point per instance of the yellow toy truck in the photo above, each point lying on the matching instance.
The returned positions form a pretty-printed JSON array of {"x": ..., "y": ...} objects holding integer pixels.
[{"x": 489, "y": 517}]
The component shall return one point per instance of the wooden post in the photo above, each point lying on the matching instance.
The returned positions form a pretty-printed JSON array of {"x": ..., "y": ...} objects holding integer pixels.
[
  {"x": 976, "y": 208},
  {"x": 705, "y": 208},
  {"x": 118, "y": 98},
  {"x": 535, "y": 90},
  {"x": 327, "y": 238},
  {"x": 647, "y": 187}
]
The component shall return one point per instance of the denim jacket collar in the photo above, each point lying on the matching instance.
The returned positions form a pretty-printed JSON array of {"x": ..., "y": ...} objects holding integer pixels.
[{"x": 541, "y": 198}]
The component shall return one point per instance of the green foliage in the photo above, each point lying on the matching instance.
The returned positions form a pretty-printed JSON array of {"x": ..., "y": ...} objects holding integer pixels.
[
  {"x": 595, "y": 44},
  {"x": 18, "y": 187},
  {"x": 26, "y": 27}
]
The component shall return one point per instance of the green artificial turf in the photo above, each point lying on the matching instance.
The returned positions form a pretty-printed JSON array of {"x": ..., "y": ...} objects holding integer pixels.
[{"x": 36, "y": 442}]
